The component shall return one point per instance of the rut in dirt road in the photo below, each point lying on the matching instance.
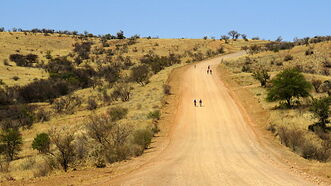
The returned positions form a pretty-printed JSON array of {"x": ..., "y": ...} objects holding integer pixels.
[{"x": 210, "y": 145}]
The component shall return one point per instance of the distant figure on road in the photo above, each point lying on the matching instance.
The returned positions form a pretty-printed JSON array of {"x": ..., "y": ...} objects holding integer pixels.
[
  {"x": 210, "y": 71},
  {"x": 195, "y": 103},
  {"x": 200, "y": 103},
  {"x": 208, "y": 66}
]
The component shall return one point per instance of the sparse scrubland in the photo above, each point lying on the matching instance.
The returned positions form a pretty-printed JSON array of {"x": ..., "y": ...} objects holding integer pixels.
[
  {"x": 291, "y": 81},
  {"x": 73, "y": 100}
]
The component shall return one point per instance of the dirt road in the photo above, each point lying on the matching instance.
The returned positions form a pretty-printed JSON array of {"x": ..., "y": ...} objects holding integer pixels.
[{"x": 212, "y": 144}]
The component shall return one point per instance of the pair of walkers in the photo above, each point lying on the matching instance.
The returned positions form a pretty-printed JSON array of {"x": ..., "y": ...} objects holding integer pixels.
[
  {"x": 209, "y": 71},
  {"x": 195, "y": 102}
]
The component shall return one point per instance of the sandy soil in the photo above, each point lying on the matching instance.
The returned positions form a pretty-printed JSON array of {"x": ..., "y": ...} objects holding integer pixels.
[{"x": 209, "y": 145}]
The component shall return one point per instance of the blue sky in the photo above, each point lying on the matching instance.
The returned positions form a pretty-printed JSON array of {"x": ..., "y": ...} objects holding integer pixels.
[{"x": 267, "y": 19}]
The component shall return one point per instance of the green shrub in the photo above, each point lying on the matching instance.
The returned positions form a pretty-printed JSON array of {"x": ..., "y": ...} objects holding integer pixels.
[
  {"x": 117, "y": 113},
  {"x": 142, "y": 137},
  {"x": 154, "y": 115},
  {"x": 41, "y": 143}
]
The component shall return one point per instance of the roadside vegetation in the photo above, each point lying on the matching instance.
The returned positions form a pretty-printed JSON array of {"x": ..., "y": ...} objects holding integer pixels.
[
  {"x": 291, "y": 80},
  {"x": 71, "y": 100}
]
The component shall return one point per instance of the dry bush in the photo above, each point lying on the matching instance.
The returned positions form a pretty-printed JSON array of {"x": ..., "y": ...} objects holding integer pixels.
[
  {"x": 246, "y": 68},
  {"x": 42, "y": 115},
  {"x": 28, "y": 163},
  {"x": 43, "y": 169},
  {"x": 307, "y": 148},
  {"x": 292, "y": 138},
  {"x": 113, "y": 138},
  {"x": 67, "y": 104},
  {"x": 122, "y": 91},
  {"x": 166, "y": 89},
  {"x": 313, "y": 151},
  {"x": 316, "y": 84},
  {"x": 65, "y": 152},
  {"x": 117, "y": 113},
  {"x": 288, "y": 57},
  {"x": 143, "y": 137},
  {"x": 325, "y": 86},
  {"x": 91, "y": 104},
  {"x": 4, "y": 165}
]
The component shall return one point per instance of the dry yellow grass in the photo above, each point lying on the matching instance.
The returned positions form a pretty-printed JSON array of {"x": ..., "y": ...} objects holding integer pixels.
[{"x": 19, "y": 43}]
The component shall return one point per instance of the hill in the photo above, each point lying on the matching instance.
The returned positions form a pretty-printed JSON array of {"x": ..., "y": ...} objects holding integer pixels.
[
  {"x": 76, "y": 88},
  {"x": 293, "y": 127}
]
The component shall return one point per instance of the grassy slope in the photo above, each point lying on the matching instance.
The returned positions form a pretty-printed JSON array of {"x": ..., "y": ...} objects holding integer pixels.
[
  {"x": 143, "y": 100},
  {"x": 11, "y": 43},
  {"x": 293, "y": 118}
]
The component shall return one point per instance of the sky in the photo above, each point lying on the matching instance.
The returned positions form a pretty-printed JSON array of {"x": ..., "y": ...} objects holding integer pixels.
[{"x": 266, "y": 19}]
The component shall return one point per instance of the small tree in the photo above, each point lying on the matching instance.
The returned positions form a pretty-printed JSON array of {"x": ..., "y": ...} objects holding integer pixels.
[
  {"x": 120, "y": 35},
  {"x": 41, "y": 143},
  {"x": 321, "y": 110},
  {"x": 11, "y": 142},
  {"x": 262, "y": 76},
  {"x": 234, "y": 34},
  {"x": 287, "y": 85},
  {"x": 140, "y": 74},
  {"x": 244, "y": 36}
]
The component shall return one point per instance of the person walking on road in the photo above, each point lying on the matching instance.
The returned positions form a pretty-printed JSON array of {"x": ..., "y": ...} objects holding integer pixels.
[
  {"x": 200, "y": 103},
  {"x": 195, "y": 103},
  {"x": 210, "y": 71}
]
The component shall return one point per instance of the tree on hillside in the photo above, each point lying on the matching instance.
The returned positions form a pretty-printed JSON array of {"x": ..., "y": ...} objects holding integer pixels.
[
  {"x": 321, "y": 110},
  {"x": 287, "y": 85},
  {"x": 120, "y": 35},
  {"x": 279, "y": 39},
  {"x": 234, "y": 34},
  {"x": 11, "y": 142},
  {"x": 244, "y": 36}
]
